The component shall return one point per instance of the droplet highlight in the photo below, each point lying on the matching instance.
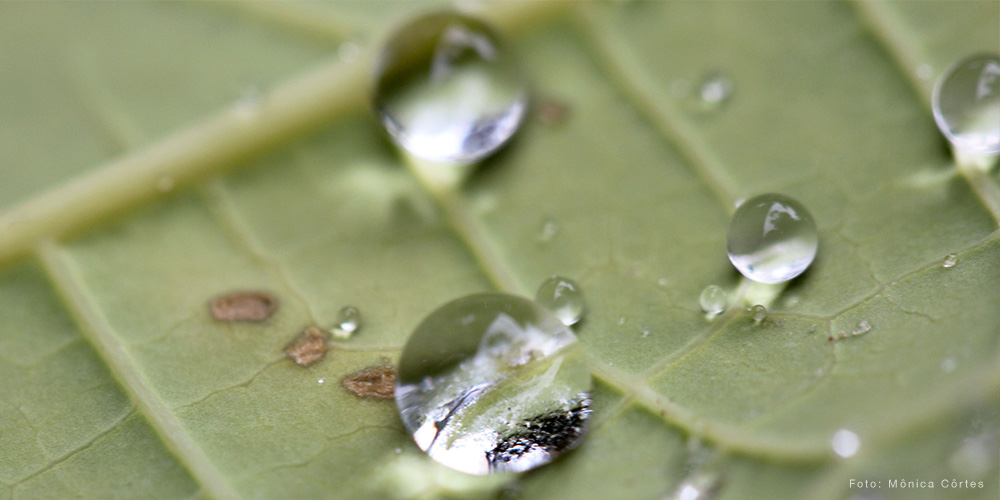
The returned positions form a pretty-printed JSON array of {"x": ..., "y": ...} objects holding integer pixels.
[
  {"x": 563, "y": 298},
  {"x": 493, "y": 383},
  {"x": 715, "y": 90},
  {"x": 845, "y": 443},
  {"x": 758, "y": 313},
  {"x": 861, "y": 328},
  {"x": 966, "y": 104},
  {"x": 949, "y": 261},
  {"x": 348, "y": 322},
  {"x": 447, "y": 91},
  {"x": 772, "y": 238},
  {"x": 713, "y": 299}
]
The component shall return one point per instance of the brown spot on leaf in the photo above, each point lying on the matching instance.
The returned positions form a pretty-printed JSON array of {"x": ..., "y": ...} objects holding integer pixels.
[
  {"x": 378, "y": 382},
  {"x": 309, "y": 347},
  {"x": 551, "y": 111},
  {"x": 244, "y": 306}
]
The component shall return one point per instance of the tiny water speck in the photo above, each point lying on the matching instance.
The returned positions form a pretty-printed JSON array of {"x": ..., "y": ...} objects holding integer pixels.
[
  {"x": 715, "y": 90},
  {"x": 446, "y": 89},
  {"x": 845, "y": 443},
  {"x": 563, "y": 298},
  {"x": 645, "y": 332},
  {"x": 861, "y": 328},
  {"x": 550, "y": 228},
  {"x": 949, "y": 261},
  {"x": 713, "y": 299},
  {"x": 348, "y": 322},
  {"x": 949, "y": 365},
  {"x": 772, "y": 238},
  {"x": 699, "y": 486},
  {"x": 321, "y": 381},
  {"x": 505, "y": 392},
  {"x": 966, "y": 105},
  {"x": 758, "y": 313}
]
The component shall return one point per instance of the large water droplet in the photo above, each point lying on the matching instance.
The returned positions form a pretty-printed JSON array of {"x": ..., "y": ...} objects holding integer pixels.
[
  {"x": 446, "y": 90},
  {"x": 348, "y": 322},
  {"x": 845, "y": 443},
  {"x": 493, "y": 383},
  {"x": 772, "y": 238},
  {"x": 949, "y": 261},
  {"x": 563, "y": 298},
  {"x": 713, "y": 299},
  {"x": 966, "y": 104}
]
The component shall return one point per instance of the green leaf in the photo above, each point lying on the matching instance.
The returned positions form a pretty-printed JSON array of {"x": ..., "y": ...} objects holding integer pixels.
[{"x": 158, "y": 155}]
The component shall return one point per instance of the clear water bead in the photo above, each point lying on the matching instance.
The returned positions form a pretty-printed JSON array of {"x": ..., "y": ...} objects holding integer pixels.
[
  {"x": 845, "y": 443},
  {"x": 966, "y": 105},
  {"x": 758, "y": 313},
  {"x": 563, "y": 298},
  {"x": 493, "y": 383},
  {"x": 713, "y": 299},
  {"x": 446, "y": 91},
  {"x": 772, "y": 238},
  {"x": 949, "y": 261},
  {"x": 348, "y": 322},
  {"x": 715, "y": 90}
]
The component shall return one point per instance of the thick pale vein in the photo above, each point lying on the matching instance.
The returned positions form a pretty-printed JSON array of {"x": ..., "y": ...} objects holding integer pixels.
[
  {"x": 627, "y": 73},
  {"x": 95, "y": 327},
  {"x": 906, "y": 53}
]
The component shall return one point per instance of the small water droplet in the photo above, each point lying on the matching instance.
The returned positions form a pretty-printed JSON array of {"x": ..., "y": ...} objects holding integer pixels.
[
  {"x": 699, "y": 486},
  {"x": 861, "y": 328},
  {"x": 348, "y": 322},
  {"x": 966, "y": 103},
  {"x": 563, "y": 298},
  {"x": 949, "y": 365},
  {"x": 550, "y": 228},
  {"x": 713, "y": 299},
  {"x": 321, "y": 381},
  {"x": 398, "y": 450},
  {"x": 508, "y": 393},
  {"x": 845, "y": 443},
  {"x": 348, "y": 51},
  {"x": 645, "y": 332},
  {"x": 772, "y": 238},
  {"x": 949, "y": 261},
  {"x": 447, "y": 91},
  {"x": 715, "y": 90},
  {"x": 758, "y": 313}
]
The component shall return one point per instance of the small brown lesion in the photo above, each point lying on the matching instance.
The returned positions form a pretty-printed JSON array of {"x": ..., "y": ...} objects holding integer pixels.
[
  {"x": 309, "y": 347},
  {"x": 243, "y": 306},
  {"x": 377, "y": 383}
]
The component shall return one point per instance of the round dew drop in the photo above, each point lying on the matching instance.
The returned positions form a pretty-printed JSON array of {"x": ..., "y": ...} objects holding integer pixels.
[
  {"x": 772, "y": 238},
  {"x": 348, "y": 322},
  {"x": 758, "y": 313},
  {"x": 713, "y": 299},
  {"x": 563, "y": 298},
  {"x": 966, "y": 105},
  {"x": 447, "y": 91},
  {"x": 493, "y": 383}
]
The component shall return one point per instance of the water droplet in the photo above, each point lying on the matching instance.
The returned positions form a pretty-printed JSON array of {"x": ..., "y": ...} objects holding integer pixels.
[
  {"x": 447, "y": 91},
  {"x": 772, "y": 238},
  {"x": 550, "y": 228},
  {"x": 758, "y": 313},
  {"x": 949, "y": 365},
  {"x": 949, "y": 261},
  {"x": 713, "y": 299},
  {"x": 321, "y": 381},
  {"x": 348, "y": 51},
  {"x": 966, "y": 105},
  {"x": 644, "y": 332},
  {"x": 861, "y": 328},
  {"x": 699, "y": 486},
  {"x": 845, "y": 443},
  {"x": 563, "y": 298},
  {"x": 348, "y": 322},
  {"x": 715, "y": 90},
  {"x": 503, "y": 392}
]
